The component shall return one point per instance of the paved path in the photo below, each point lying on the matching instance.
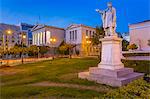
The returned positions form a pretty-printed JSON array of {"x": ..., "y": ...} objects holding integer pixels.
[
  {"x": 101, "y": 89},
  {"x": 14, "y": 62},
  {"x": 138, "y": 58}
]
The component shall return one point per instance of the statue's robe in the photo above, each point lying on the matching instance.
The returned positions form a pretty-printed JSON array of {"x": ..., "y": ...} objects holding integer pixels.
[{"x": 109, "y": 18}]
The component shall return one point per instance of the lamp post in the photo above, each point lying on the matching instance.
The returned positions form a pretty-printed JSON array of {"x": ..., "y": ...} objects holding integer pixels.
[
  {"x": 23, "y": 36},
  {"x": 8, "y": 32},
  {"x": 52, "y": 41},
  {"x": 88, "y": 42}
]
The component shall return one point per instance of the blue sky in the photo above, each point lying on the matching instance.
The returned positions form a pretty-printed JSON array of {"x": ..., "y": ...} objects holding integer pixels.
[{"x": 61, "y": 13}]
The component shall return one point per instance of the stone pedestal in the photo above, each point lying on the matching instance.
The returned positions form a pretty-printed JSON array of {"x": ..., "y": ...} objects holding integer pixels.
[
  {"x": 111, "y": 70},
  {"x": 111, "y": 53}
]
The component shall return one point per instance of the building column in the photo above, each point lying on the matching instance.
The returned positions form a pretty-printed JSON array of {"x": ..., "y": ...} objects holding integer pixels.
[
  {"x": 33, "y": 39},
  {"x": 38, "y": 39},
  {"x": 43, "y": 37}
]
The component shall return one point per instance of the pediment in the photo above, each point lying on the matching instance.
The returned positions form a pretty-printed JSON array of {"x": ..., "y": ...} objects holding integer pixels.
[
  {"x": 37, "y": 27},
  {"x": 73, "y": 26}
]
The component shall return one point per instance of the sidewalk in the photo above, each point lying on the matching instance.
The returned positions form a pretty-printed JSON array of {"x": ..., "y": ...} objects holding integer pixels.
[{"x": 14, "y": 62}]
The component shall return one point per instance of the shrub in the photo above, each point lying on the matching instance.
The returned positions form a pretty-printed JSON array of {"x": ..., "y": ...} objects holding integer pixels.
[
  {"x": 138, "y": 89},
  {"x": 77, "y": 52},
  {"x": 132, "y": 47},
  {"x": 138, "y": 65},
  {"x": 136, "y": 54},
  {"x": 125, "y": 44}
]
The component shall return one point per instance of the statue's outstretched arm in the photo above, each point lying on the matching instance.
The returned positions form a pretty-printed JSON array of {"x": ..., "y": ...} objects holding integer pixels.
[{"x": 99, "y": 11}]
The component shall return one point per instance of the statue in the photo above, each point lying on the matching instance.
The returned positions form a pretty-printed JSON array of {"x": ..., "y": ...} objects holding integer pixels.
[{"x": 109, "y": 20}]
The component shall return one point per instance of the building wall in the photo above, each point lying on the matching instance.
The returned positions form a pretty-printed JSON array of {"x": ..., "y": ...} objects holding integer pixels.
[
  {"x": 57, "y": 34},
  {"x": 43, "y": 35},
  {"x": 8, "y": 41},
  {"x": 84, "y": 34},
  {"x": 72, "y": 39},
  {"x": 140, "y": 34}
]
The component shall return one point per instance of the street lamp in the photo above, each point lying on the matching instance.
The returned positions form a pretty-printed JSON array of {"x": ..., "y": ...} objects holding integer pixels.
[
  {"x": 8, "y": 32},
  {"x": 52, "y": 41},
  {"x": 88, "y": 43},
  {"x": 23, "y": 36}
]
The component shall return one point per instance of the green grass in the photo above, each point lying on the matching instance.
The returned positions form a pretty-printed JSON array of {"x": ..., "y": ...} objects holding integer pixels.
[{"x": 58, "y": 71}]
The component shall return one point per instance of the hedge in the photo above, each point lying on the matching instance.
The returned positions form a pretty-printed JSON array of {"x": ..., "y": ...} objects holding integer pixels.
[
  {"x": 138, "y": 89},
  {"x": 142, "y": 66}
]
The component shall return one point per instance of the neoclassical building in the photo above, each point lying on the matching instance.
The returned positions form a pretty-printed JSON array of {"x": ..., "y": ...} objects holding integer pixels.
[
  {"x": 47, "y": 35},
  {"x": 80, "y": 36},
  {"x": 140, "y": 35}
]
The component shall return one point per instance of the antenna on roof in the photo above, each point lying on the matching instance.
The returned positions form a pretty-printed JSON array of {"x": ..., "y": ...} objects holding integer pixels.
[{"x": 39, "y": 19}]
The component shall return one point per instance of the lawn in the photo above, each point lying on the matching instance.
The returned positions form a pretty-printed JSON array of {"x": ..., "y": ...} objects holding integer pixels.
[
  {"x": 16, "y": 82},
  {"x": 53, "y": 79}
]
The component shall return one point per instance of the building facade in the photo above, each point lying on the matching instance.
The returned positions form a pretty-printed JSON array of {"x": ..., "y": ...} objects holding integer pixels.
[
  {"x": 140, "y": 35},
  {"x": 80, "y": 36},
  {"x": 43, "y": 35},
  {"x": 26, "y": 28},
  {"x": 13, "y": 34},
  {"x": 9, "y": 35}
]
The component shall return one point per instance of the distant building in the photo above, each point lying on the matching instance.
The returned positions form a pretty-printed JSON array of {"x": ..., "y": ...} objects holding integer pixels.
[
  {"x": 16, "y": 35},
  {"x": 9, "y": 40},
  {"x": 140, "y": 35},
  {"x": 44, "y": 35},
  {"x": 26, "y": 28},
  {"x": 80, "y": 36}
]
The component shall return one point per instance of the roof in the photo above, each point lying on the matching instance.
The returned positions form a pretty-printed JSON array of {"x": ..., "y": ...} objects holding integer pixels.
[
  {"x": 40, "y": 26},
  {"x": 4, "y": 27},
  {"x": 78, "y": 25},
  {"x": 140, "y": 22}
]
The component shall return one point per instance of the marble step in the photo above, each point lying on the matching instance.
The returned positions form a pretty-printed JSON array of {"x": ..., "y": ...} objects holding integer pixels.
[
  {"x": 111, "y": 73},
  {"x": 113, "y": 81}
]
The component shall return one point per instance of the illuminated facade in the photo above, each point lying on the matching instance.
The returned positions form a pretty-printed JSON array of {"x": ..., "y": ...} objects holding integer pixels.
[
  {"x": 43, "y": 35},
  {"x": 8, "y": 40},
  {"x": 140, "y": 35},
  {"x": 80, "y": 36}
]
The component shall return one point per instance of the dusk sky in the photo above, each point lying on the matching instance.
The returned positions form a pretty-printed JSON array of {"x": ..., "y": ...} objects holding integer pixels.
[{"x": 61, "y": 13}]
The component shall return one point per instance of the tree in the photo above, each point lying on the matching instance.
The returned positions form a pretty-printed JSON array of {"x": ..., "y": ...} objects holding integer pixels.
[
  {"x": 70, "y": 47},
  {"x": 43, "y": 49},
  {"x": 100, "y": 33},
  {"x": 125, "y": 44},
  {"x": 33, "y": 50},
  {"x": 18, "y": 49},
  {"x": 66, "y": 49},
  {"x": 1, "y": 51},
  {"x": 132, "y": 47},
  {"x": 63, "y": 49}
]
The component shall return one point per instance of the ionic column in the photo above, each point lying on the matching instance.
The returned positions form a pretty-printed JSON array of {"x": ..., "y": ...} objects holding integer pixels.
[
  {"x": 43, "y": 37},
  {"x": 33, "y": 39}
]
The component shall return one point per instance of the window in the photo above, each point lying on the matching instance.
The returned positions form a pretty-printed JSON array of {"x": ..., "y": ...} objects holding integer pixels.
[
  {"x": 75, "y": 34},
  {"x": 86, "y": 32},
  {"x": 90, "y": 33},
  {"x": 93, "y": 32}
]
